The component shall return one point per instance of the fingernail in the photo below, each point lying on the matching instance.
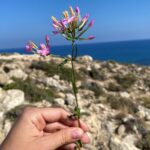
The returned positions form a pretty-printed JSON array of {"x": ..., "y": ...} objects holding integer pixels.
[{"x": 76, "y": 134}]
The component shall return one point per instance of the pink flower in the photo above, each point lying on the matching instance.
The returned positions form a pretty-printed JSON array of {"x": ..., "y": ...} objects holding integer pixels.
[
  {"x": 71, "y": 19},
  {"x": 91, "y": 37},
  {"x": 29, "y": 47},
  {"x": 47, "y": 39},
  {"x": 85, "y": 18},
  {"x": 55, "y": 26},
  {"x": 55, "y": 32},
  {"x": 91, "y": 23},
  {"x": 67, "y": 21},
  {"x": 44, "y": 51},
  {"x": 77, "y": 10}
]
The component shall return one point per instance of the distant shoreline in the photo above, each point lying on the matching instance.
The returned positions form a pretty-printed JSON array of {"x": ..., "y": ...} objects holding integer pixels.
[{"x": 136, "y": 51}]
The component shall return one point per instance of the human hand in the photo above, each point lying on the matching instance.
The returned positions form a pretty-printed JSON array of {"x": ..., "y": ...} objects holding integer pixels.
[{"x": 44, "y": 129}]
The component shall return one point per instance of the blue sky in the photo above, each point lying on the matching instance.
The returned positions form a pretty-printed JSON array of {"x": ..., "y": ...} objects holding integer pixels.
[{"x": 115, "y": 20}]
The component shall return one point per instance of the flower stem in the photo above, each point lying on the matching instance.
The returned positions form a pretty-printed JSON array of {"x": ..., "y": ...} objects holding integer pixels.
[
  {"x": 74, "y": 87},
  {"x": 74, "y": 80}
]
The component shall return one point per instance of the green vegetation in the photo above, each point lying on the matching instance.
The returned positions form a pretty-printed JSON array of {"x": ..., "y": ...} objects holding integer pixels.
[
  {"x": 13, "y": 114},
  {"x": 32, "y": 92},
  {"x": 116, "y": 102},
  {"x": 114, "y": 87},
  {"x": 144, "y": 143},
  {"x": 52, "y": 69},
  {"x": 5, "y": 61},
  {"x": 145, "y": 101},
  {"x": 147, "y": 82},
  {"x": 95, "y": 88},
  {"x": 126, "y": 81},
  {"x": 93, "y": 73}
]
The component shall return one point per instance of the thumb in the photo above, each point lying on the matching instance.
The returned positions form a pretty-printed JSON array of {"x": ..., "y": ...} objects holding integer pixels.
[{"x": 63, "y": 137}]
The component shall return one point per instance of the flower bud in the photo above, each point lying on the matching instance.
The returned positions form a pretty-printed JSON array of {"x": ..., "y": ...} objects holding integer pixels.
[
  {"x": 54, "y": 19},
  {"x": 91, "y": 37},
  {"x": 91, "y": 23},
  {"x": 47, "y": 38},
  {"x": 77, "y": 10},
  {"x": 71, "y": 11}
]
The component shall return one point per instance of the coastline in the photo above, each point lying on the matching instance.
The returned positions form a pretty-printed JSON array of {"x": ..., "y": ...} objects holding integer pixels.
[{"x": 137, "y": 52}]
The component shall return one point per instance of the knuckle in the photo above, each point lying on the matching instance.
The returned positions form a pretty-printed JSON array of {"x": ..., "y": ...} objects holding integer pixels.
[
  {"x": 27, "y": 111},
  {"x": 64, "y": 138}
]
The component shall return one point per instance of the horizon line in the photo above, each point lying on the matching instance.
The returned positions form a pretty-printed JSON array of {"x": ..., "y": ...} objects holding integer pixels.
[{"x": 101, "y": 42}]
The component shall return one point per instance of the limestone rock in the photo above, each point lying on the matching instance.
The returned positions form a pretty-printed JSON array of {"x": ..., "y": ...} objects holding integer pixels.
[
  {"x": 3, "y": 78},
  {"x": 116, "y": 144},
  {"x": 121, "y": 130},
  {"x": 18, "y": 73},
  {"x": 85, "y": 59},
  {"x": 69, "y": 99},
  {"x": 13, "y": 98},
  {"x": 2, "y": 94},
  {"x": 125, "y": 95},
  {"x": 49, "y": 81},
  {"x": 59, "y": 101}
]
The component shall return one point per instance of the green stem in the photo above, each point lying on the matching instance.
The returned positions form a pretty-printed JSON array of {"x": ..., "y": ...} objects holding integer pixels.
[
  {"x": 73, "y": 76},
  {"x": 77, "y": 110}
]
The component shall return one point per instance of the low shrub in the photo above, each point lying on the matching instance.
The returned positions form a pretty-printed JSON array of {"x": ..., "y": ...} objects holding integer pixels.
[
  {"x": 95, "y": 74},
  {"x": 117, "y": 102},
  {"x": 144, "y": 143},
  {"x": 52, "y": 69},
  {"x": 32, "y": 92},
  {"x": 114, "y": 87},
  {"x": 126, "y": 81},
  {"x": 145, "y": 101}
]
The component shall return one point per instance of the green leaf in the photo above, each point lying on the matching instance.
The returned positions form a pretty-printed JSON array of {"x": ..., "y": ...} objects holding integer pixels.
[
  {"x": 80, "y": 143},
  {"x": 82, "y": 33},
  {"x": 82, "y": 25},
  {"x": 74, "y": 87},
  {"x": 82, "y": 39},
  {"x": 77, "y": 111},
  {"x": 66, "y": 37}
]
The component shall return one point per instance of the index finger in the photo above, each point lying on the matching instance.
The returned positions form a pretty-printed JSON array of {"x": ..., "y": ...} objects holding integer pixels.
[{"x": 61, "y": 115}]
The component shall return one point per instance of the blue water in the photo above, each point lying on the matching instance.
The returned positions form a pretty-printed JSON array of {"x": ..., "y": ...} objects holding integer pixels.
[{"x": 137, "y": 52}]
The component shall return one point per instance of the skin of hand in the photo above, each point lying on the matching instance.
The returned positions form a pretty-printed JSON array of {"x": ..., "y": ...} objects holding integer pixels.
[{"x": 44, "y": 129}]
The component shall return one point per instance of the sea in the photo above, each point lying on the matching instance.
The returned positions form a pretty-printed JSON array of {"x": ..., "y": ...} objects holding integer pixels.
[{"x": 137, "y": 51}]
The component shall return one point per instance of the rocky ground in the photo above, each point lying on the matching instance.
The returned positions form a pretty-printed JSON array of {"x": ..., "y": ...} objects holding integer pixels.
[{"x": 114, "y": 98}]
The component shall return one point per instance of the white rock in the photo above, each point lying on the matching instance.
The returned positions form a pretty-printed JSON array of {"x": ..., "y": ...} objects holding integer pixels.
[
  {"x": 124, "y": 94},
  {"x": 117, "y": 144},
  {"x": 54, "y": 83},
  {"x": 85, "y": 58},
  {"x": 147, "y": 115},
  {"x": 141, "y": 114},
  {"x": 2, "y": 94},
  {"x": 7, "y": 126},
  {"x": 1, "y": 117},
  {"x": 70, "y": 99},
  {"x": 13, "y": 98},
  {"x": 59, "y": 101},
  {"x": 18, "y": 73},
  {"x": 96, "y": 66},
  {"x": 3, "y": 78},
  {"x": 56, "y": 77},
  {"x": 121, "y": 130},
  {"x": 130, "y": 139},
  {"x": 146, "y": 111},
  {"x": 61, "y": 95}
]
